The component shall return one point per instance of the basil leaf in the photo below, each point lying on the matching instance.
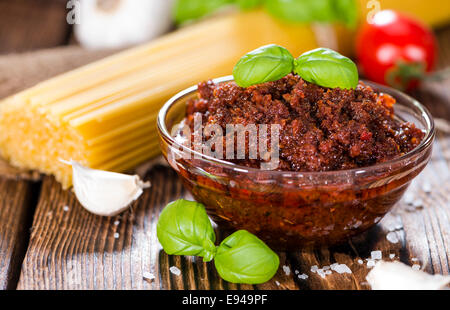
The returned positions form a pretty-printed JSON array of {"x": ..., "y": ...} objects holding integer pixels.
[
  {"x": 300, "y": 10},
  {"x": 243, "y": 258},
  {"x": 265, "y": 64},
  {"x": 184, "y": 229},
  {"x": 346, "y": 11},
  {"x": 327, "y": 68},
  {"x": 249, "y": 4},
  {"x": 187, "y": 10},
  {"x": 306, "y": 11}
]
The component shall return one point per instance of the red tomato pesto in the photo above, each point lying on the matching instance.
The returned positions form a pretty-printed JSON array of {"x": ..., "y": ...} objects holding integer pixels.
[{"x": 321, "y": 129}]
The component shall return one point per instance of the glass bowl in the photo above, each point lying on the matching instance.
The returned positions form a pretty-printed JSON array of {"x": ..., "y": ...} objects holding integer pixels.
[{"x": 289, "y": 210}]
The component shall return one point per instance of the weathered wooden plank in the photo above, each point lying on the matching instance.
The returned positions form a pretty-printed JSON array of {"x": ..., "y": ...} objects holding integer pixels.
[
  {"x": 27, "y": 25},
  {"x": 16, "y": 206},
  {"x": 74, "y": 249}
]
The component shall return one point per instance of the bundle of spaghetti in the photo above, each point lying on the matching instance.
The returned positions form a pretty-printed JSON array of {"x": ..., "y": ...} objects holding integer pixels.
[{"x": 103, "y": 115}]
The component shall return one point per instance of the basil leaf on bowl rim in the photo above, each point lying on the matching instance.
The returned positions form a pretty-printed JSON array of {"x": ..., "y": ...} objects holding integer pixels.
[
  {"x": 244, "y": 258},
  {"x": 265, "y": 64},
  {"x": 327, "y": 68},
  {"x": 184, "y": 229}
]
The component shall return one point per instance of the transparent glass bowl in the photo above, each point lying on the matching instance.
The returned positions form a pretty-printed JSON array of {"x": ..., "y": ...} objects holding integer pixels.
[{"x": 287, "y": 209}]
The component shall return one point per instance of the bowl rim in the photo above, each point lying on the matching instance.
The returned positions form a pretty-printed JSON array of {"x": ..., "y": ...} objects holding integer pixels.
[{"x": 426, "y": 142}]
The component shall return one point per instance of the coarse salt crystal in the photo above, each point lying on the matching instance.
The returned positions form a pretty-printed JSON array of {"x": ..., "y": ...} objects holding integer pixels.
[
  {"x": 360, "y": 261},
  {"x": 116, "y": 235},
  {"x": 370, "y": 263},
  {"x": 392, "y": 237},
  {"x": 321, "y": 273},
  {"x": 426, "y": 186},
  {"x": 287, "y": 270},
  {"x": 409, "y": 199},
  {"x": 277, "y": 283},
  {"x": 116, "y": 223},
  {"x": 391, "y": 256},
  {"x": 341, "y": 268},
  {"x": 415, "y": 267},
  {"x": 303, "y": 276},
  {"x": 66, "y": 208},
  {"x": 418, "y": 203},
  {"x": 148, "y": 276},
  {"x": 326, "y": 267},
  {"x": 296, "y": 272},
  {"x": 314, "y": 268},
  {"x": 175, "y": 270},
  {"x": 414, "y": 259},
  {"x": 376, "y": 255}
]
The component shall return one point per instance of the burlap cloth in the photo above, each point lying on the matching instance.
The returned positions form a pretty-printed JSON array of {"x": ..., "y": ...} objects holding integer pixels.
[{"x": 20, "y": 71}]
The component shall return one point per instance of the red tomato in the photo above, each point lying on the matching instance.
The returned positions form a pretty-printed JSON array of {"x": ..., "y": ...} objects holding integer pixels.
[{"x": 395, "y": 49}]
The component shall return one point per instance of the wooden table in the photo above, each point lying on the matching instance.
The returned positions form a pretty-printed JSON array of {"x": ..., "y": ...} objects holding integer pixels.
[{"x": 48, "y": 241}]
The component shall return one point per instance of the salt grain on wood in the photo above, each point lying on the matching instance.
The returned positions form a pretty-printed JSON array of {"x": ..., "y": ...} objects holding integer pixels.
[
  {"x": 418, "y": 203},
  {"x": 148, "y": 276},
  {"x": 370, "y": 263},
  {"x": 341, "y": 268},
  {"x": 426, "y": 186},
  {"x": 287, "y": 270},
  {"x": 392, "y": 237},
  {"x": 409, "y": 198},
  {"x": 175, "y": 270},
  {"x": 321, "y": 273},
  {"x": 376, "y": 255}
]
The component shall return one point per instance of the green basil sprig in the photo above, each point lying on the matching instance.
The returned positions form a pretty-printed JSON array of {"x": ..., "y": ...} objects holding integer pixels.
[
  {"x": 307, "y": 11},
  {"x": 184, "y": 229},
  {"x": 321, "y": 66},
  {"x": 304, "y": 11},
  {"x": 265, "y": 64},
  {"x": 188, "y": 10},
  {"x": 327, "y": 68},
  {"x": 244, "y": 258}
]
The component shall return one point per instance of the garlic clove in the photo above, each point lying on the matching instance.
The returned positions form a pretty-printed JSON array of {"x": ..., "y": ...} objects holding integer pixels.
[
  {"x": 398, "y": 276},
  {"x": 105, "y": 193}
]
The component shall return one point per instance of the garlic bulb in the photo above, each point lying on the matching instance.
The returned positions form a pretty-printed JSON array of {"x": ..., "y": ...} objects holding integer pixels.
[
  {"x": 105, "y": 193},
  {"x": 398, "y": 276},
  {"x": 118, "y": 23}
]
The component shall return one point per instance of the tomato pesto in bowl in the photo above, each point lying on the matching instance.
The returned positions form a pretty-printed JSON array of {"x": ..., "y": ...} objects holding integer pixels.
[
  {"x": 346, "y": 153},
  {"x": 321, "y": 129}
]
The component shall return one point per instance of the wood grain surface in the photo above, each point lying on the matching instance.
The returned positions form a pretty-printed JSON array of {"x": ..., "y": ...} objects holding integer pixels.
[
  {"x": 17, "y": 202},
  {"x": 26, "y": 25},
  {"x": 48, "y": 241}
]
